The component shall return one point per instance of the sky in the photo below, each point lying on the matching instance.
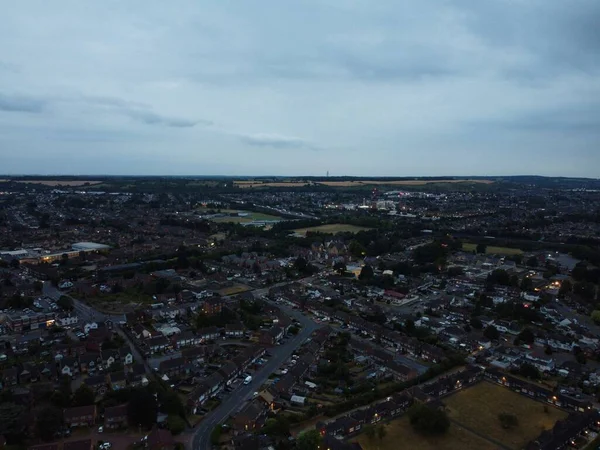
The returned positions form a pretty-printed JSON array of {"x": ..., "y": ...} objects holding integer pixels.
[{"x": 277, "y": 87}]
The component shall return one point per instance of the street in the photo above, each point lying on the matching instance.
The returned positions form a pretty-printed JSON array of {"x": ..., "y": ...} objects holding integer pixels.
[{"x": 236, "y": 400}]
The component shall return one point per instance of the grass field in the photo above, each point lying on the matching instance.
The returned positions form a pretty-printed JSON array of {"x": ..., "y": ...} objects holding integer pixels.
[
  {"x": 236, "y": 289},
  {"x": 331, "y": 228},
  {"x": 251, "y": 217},
  {"x": 401, "y": 436},
  {"x": 478, "y": 407},
  {"x": 491, "y": 250}
]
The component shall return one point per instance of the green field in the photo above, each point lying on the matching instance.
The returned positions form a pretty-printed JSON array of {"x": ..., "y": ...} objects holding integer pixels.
[
  {"x": 251, "y": 217},
  {"x": 401, "y": 436},
  {"x": 478, "y": 407},
  {"x": 491, "y": 250},
  {"x": 331, "y": 228}
]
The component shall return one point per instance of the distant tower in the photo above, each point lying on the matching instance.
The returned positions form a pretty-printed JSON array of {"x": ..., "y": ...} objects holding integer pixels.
[{"x": 328, "y": 174}]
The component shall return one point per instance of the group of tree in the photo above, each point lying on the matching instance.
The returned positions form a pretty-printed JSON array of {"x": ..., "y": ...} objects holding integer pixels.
[{"x": 427, "y": 420}]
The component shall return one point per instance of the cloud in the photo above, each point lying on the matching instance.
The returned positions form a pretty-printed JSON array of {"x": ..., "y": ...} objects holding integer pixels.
[
  {"x": 379, "y": 88},
  {"x": 276, "y": 141},
  {"x": 15, "y": 103}
]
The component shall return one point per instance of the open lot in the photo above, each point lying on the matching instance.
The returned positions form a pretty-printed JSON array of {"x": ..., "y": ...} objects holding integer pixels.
[
  {"x": 73, "y": 183},
  {"x": 491, "y": 250},
  {"x": 331, "y": 228},
  {"x": 478, "y": 407},
  {"x": 401, "y": 436},
  {"x": 236, "y": 289}
]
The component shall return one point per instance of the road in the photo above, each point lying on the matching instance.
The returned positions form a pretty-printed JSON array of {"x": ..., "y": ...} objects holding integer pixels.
[
  {"x": 88, "y": 314},
  {"x": 237, "y": 399},
  {"x": 84, "y": 312}
]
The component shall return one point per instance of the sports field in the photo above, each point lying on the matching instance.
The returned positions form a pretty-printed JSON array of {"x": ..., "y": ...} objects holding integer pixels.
[
  {"x": 401, "y": 436},
  {"x": 491, "y": 250},
  {"x": 331, "y": 228},
  {"x": 477, "y": 408}
]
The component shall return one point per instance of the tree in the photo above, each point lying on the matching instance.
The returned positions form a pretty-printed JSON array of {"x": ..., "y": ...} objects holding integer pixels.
[
  {"x": 565, "y": 288},
  {"x": 481, "y": 248},
  {"x": 65, "y": 302},
  {"x": 529, "y": 371},
  {"x": 142, "y": 408},
  {"x": 83, "y": 396},
  {"x": 357, "y": 249},
  {"x": 508, "y": 420},
  {"x": 366, "y": 273},
  {"x": 476, "y": 323},
  {"x": 532, "y": 262},
  {"x": 300, "y": 264},
  {"x": 596, "y": 316},
  {"x": 381, "y": 432},
  {"x": 294, "y": 330},
  {"x": 309, "y": 440},
  {"x": 455, "y": 271},
  {"x": 340, "y": 267},
  {"x": 13, "y": 421},
  {"x": 176, "y": 424},
  {"x": 492, "y": 333},
  {"x": 171, "y": 403},
  {"x": 427, "y": 420},
  {"x": 215, "y": 435},
  {"x": 48, "y": 422},
  {"x": 527, "y": 336},
  {"x": 526, "y": 284},
  {"x": 370, "y": 431}
]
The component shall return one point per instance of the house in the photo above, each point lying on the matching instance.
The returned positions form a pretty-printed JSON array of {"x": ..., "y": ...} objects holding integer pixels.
[
  {"x": 208, "y": 334},
  {"x": 67, "y": 320},
  {"x": 115, "y": 417},
  {"x": 109, "y": 357},
  {"x": 160, "y": 439},
  {"x": 212, "y": 306},
  {"x": 10, "y": 376},
  {"x": 250, "y": 417},
  {"x": 172, "y": 367},
  {"x": 229, "y": 370},
  {"x": 400, "y": 371},
  {"x": 97, "y": 383},
  {"x": 89, "y": 362},
  {"x": 126, "y": 355},
  {"x": 186, "y": 339},
  {"x": 271, "y": 336},
  {"x": 158, "y": 344},
  {"x": 539, "y": 359},
  {"x": 69, "y": 366},
  {"x": 43, "y": 447},
  {"x": 234, "y": 331},
  {"x": 137, "y": 375},
  {"x": 84, "y": 444},
  {"x": 207, "y": 388},
  {"x": 80, "y": 416},
  {"x": 117, "y": 380}
]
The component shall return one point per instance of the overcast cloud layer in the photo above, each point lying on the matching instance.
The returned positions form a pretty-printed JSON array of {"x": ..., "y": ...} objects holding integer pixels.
[{"x": 261, "y": 87}]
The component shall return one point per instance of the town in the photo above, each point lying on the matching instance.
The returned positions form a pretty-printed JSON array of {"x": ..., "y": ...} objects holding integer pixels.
[{"x": 252, "y": 314}]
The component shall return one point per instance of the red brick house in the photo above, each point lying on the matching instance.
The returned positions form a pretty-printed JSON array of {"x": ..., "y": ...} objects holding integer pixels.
[
  {"x": 81, "y": 416},
  {"x": 115, "y": 417}
]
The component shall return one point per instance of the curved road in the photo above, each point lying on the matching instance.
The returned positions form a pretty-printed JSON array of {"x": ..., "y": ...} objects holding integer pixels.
[{"x": 237, "y": 399}]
